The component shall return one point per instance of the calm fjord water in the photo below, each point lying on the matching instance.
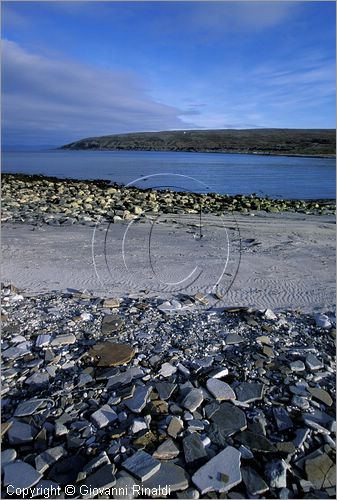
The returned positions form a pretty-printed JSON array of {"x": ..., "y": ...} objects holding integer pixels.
[{"x": 273, "y": 176}]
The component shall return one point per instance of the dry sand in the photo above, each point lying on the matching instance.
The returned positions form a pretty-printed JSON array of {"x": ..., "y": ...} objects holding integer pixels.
[{"x": 286, "y": 260}]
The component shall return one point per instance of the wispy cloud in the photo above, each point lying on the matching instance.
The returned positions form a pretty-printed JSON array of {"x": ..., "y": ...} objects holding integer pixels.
[{"x": 57, "y": 100}]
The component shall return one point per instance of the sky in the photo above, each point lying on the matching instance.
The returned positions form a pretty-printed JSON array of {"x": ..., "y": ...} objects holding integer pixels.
[{"x": 81, "y": 69}]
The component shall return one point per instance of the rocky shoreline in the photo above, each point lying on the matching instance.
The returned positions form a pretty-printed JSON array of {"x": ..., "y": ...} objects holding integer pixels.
[
  {"x": 125, "y": 397},
  {"x": 38, "y": 199}
]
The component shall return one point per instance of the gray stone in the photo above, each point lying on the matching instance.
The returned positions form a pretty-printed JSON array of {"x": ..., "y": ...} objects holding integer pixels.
[
  {"x": 220, "y": 390},
  {"x": 64, "y": 339},
  {"x": 102, "y": 478},
  {"x": 255, "y": 442},
  {"x": 18, "y": 351},
  {"x": 297, "y": 366},
  {"x": 167, "y": 450},
  {"x": 126, "y": 486},
  {"x": 103, "y": 417},
  {"x": 193, "y": 399},
  {"x": 321, "y": 395},
  {"x": 313, "y": 363},
  {"x": 253, "y": 481},
  {"x": 95, "y": 463},
  {"x": 167, "y": 370},
  {"x": 283, "y": 421},
  {"x": 139, "y": 398},
  {"x": 138, "y": 425},
  {"x": 300, "y": 402},
  {"x": 220, "y": 474},
  {"x": 321, "y": 471},
  {"x": 38, "y": 379},
  {"x": 111, "y": 323},
  {"x": 28, "y": 407},
  {"x": 125, "y": 378},
  {"x": 20, "y": 475},
  {"x": 142, "y": 465},
  {"x": 42, "y": 340},
  {"x": 21, "y": 433},
  {"x": 322, "y": 321},
  {"x": 165, "y": 389},
  {"x": 194, "y": 450},
  {"x": 7, "y": 456},
  {"x": 247, "y": 392},
  {"x": 176, "y": 425},
  {"x": 269, "y": 314},
  {"x": 276, "y": 473},
  {"x": 300, "y": 437},
  {"x": 233, "y": 338},
  {"x": 169, "y": 478},
  {"x": 229, "y": 419},
  {"x": 48, "y": 457}
]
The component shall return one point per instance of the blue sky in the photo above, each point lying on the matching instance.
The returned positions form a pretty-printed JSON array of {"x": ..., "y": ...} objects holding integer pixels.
[{"x": 79, "y": 69}]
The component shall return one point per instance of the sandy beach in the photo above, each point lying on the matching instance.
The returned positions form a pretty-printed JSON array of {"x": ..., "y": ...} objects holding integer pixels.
[{"x": 285, "y": 261}]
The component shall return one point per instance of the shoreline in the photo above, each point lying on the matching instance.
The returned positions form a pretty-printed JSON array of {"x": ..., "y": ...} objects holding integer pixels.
[
  {"x": 260, "y": 153},
  {"x": 41, "y": 199}
]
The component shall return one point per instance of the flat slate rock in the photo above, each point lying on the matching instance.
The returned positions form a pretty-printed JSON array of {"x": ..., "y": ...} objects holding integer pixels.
[
  {"x": 247, "y": 392},
  {"x": 139, "y": 398},
  {"x": 111, "y": 354},
  {"x": 313, "y": 363},
  {"x": 7, "y": 456},
  {"x": 221, "y": 473},
  {"x": 102, "y": 478},
  {"x": 276, "y": 473},
  {"x": 169, "y": 475},
  {"x": 229, "y": 419},
  {"x": 194, "y": 450},
  {"x": 20, "y": 475},
  {"x": 103, "y": 417},
  {"x": 193, "y": 399},
  {"x": 220, "y": 390},
  {"x": 165, "y": 389},
  {"x": 142, "y": 465},
  {"x": 253, "y": 481},
  {"x": 124, "y": 378},
  {"x": 321, "y": 471},
  {"x": 21, "y": 433},
  {"x": 167, "y": 450},
  {"x": 64, "y": 339},
  {"x": 283, "y": 421},
  {"x": 321, "y": 395},
  {"x": 111, "y": 323},
  {"x": 233, "y": 338},
  {"x": 167, "y": 370},
  {"x": 28, "y": 407},
  {"x": 255, "y": 442}
]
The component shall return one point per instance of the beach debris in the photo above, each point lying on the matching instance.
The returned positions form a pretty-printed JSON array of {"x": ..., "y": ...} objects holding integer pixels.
[{"x": 163, "y": 405}]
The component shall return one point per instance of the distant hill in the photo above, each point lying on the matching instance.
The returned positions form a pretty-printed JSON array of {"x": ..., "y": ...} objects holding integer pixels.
[{"x": 307, "y": 142}]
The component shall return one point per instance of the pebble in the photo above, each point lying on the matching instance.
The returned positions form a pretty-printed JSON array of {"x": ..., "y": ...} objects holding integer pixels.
[
  {"x": 313, "y": 363},
  {"x": 322, "y": 321},
  {"x": 220, "y": 390},
  {"x": 276, "y": 473},
  {"x": 139, "y": 399},
  {"x": 20, "y": 433},
  {"x": 64, "y": 339},
  {"x": 193, "y": 400},
  {"x": 167, "y": 370},
  {"x": 297, "y": 366}
]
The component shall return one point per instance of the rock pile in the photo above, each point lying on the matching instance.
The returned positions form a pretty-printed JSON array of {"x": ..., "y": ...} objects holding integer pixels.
[
  {"x": 137, "y": 401},
  {"x": 37, "y": 199}
]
